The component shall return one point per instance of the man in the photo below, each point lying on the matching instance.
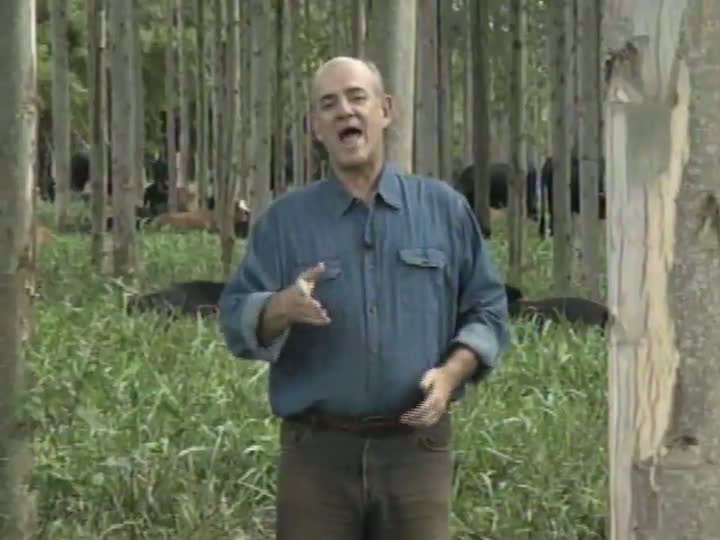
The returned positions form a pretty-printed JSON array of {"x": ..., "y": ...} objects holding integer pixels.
[{"x": 372, "y": 295}]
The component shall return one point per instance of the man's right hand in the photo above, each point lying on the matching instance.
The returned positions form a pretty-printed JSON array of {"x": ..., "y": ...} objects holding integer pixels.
[{"x": 296, "y": 302}]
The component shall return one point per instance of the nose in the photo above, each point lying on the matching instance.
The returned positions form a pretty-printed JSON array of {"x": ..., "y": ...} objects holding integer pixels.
[{"x": 343, "y": 107}]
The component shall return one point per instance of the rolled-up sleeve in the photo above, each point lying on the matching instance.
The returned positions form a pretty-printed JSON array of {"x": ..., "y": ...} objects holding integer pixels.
[
  {"x": 482, "y": 303},
  {"x": 247, "y": 292}
]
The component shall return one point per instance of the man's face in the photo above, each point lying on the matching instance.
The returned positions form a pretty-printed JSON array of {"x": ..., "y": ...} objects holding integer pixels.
[{"x": 349, "y": 116}]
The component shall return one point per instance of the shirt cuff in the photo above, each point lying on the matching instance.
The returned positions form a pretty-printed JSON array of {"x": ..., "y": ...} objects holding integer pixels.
[
  {"x": 483, "y": 342},
  {"x": 249, "y": 321}
]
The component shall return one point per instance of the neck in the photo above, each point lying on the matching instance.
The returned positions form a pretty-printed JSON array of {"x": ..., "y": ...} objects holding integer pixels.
[{"x": 362, "y": 181}]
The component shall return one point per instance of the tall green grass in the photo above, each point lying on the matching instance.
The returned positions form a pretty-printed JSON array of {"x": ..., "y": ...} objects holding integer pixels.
[{"x": 153, "y": 431}]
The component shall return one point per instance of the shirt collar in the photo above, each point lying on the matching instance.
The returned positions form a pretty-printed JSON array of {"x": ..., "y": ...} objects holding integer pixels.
[{"x": 388, "y": 189}]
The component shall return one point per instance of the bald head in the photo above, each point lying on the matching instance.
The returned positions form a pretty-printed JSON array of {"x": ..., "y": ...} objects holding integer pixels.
[{"x": 349, "y": 63}]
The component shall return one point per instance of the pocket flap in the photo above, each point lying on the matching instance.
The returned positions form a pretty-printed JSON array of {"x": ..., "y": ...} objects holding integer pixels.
[{"x": 424, "y": 257}]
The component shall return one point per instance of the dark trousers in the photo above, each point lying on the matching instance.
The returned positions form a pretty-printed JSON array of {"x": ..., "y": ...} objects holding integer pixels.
[{"x": 336, "y": 485}]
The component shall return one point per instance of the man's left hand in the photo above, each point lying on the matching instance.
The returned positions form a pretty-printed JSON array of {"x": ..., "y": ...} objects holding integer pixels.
[{"x": 438, "y": 385}]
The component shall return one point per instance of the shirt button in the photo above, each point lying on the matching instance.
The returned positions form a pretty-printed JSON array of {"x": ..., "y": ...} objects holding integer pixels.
[{"x": 373, "y": 310}]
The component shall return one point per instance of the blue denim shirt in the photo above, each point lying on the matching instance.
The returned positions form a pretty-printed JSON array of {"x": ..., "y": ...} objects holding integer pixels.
[{"x": 405, "y": 279}]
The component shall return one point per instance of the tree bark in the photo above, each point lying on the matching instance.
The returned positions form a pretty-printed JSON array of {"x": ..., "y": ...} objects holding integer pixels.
[
  {"x": 393, "y": 30},
  {"x": 663, "y": 127},
  {"x": 201, "y": 168},
  {"x": 518, "y": 149},
  {"x": 61, "y": 113},
  {"x": 125, "y": 256},
  {"x": 561, "y": 12},
  {"x": 97, "y": 84},
  {"x": 18, "y": 120},
  {"x": 359, "y": 28},
  {"x": 481, "y": 112},
  {"x": 588, "y": 152},
  {"x": 261, "y": 71},
  {"x": 171, "y": 83},
  {"x": 427, "y": 128}
]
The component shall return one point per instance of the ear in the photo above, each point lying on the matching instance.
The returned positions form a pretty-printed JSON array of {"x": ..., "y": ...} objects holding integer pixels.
[
  {"x": 313, "y": 126},
  {"x": 388, "y": 108}
]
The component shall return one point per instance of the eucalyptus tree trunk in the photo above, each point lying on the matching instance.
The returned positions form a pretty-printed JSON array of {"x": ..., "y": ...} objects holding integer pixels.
[
  {"x": 481, "y": 111},
  {"x": 201, "y": 163},
  {"x": 183, "y": 97},
  {"x": 663, "y": 128},
  {"x": 589, "y": 147},
  {"x": 138, "y": 102},
  {"x": 61, "y": 113},
  {"x": 293, "y": 75},
  {"x": 171, "y": 84},
  {"x": 468, "y": 116},
  {"x": 445, "y": 114},
  {"x": 518, "y": 148},
  {"x": 279, "y": 111},
  {"x": 359, "y": 28},
  {"x": 219, "y": 119},
  {"x": 125, "y": 245},
  {"x": 18, "y": 122},
  {"x": 227, "y": 186},
  {"x": 560, "y": 16},
  {"x": 261, "y": 72},
  {"x": 392, "y": 32},
  {"x": 97, "y": 98},
  {"x": 427, "y": 120}
]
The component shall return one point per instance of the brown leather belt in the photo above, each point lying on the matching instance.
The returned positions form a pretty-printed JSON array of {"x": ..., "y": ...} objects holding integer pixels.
[{"x": 361, "y": 425}]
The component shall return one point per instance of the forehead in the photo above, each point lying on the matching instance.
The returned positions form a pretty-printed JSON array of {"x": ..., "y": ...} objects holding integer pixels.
[{"x": 343, "y": 77}]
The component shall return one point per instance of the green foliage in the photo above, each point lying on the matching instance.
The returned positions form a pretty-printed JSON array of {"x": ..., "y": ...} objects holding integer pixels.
[
  {"x": 147, "y": 430},
  {"x": 316, "y": 28}
]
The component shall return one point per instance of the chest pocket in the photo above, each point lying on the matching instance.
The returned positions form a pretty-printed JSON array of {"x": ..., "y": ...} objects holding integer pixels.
[{"x": 422, "y": 277}]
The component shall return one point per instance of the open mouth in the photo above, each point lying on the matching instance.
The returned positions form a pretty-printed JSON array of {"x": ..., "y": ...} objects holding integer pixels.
[{"x": 350, "y": 136}]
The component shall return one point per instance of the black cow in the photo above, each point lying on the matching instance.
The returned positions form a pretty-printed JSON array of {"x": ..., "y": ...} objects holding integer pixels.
[
  {"x": 571, "y": 309},
  {"x": 546, "y": 183},
  {"x": 499, "y": 176},
  {"x": 513, "y": 293},
  {"x": 197, "y": 297}
]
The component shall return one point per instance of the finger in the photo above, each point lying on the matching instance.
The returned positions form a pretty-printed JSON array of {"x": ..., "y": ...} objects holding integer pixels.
[
  {"x": 312, "y": 274},
  {"x": 314, "y": 313},
  {"x": 428, "y": 380},
  {"x": 415, "y": 415},
  {"x": 427, "y": 412}
]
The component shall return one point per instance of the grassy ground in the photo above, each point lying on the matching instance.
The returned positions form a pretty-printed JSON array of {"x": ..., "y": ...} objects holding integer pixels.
[{"x": 151, "y": 432}]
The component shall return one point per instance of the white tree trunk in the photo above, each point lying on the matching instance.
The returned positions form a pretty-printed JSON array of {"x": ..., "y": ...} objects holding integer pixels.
[
  {"x": 663, "y": 128},
  {"x": 18, "y": 119},
  {"x": 393, "y": 30}
]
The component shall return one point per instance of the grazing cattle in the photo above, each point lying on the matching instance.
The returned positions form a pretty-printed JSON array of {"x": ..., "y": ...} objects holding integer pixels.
[
  {"x": 571, "y": 309},
  {"x": 42, "y": 236},
  {"x": 512, "y": 293},
  {"x": 500, "y": 175},
  {"x": 196, "y": 297},
  {"x": 142, "y": 216},
  {"x": 201, "y": 219},
  {"x": 79, "y": 171},
  {"x": 156, "y": 196},
  {"x": 546, "y": 190}
]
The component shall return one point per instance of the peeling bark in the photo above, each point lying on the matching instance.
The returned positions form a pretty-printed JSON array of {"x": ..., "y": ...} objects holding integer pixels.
[{"x": 662, "y": 131}]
